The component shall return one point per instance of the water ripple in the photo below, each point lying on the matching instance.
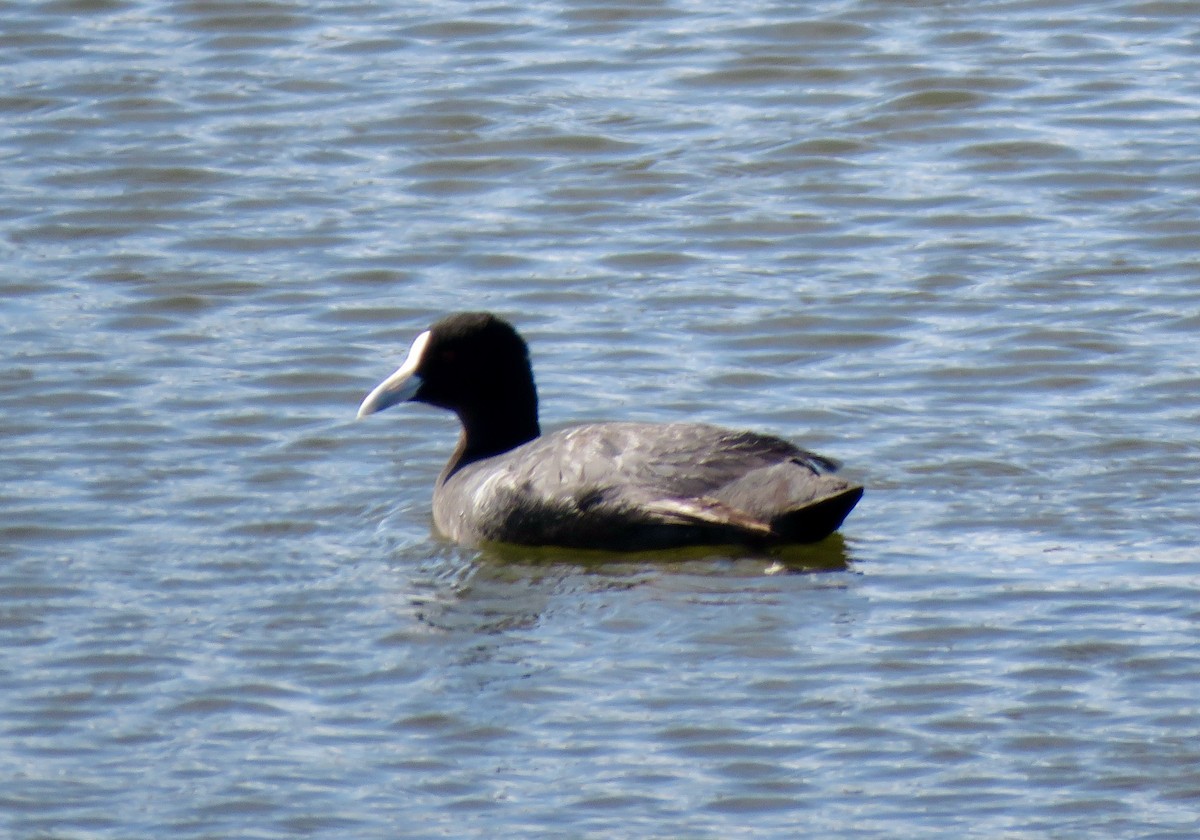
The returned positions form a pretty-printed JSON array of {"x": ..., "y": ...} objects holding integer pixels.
[{"x": 950, "y": 247}]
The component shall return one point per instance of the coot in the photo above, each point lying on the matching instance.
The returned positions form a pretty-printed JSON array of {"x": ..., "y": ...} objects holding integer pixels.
[{"x": 615, "y": 486}]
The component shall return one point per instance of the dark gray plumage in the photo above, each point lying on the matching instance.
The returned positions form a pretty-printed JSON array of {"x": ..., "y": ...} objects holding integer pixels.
[{"x": 617, "y": 486}]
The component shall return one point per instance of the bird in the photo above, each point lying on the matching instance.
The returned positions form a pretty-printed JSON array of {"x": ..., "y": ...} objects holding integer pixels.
[{"x": 612, "y": 486}]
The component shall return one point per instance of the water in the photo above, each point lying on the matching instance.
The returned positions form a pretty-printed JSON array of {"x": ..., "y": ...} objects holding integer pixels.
[{"x": 953, "y": 246}]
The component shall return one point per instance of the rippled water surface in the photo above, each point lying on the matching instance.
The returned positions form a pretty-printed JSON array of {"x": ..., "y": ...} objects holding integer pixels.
[{"x": 954, "y": 245}]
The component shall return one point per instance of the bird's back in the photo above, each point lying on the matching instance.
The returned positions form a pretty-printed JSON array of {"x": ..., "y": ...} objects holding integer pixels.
[{"x": 640, "y": 485}]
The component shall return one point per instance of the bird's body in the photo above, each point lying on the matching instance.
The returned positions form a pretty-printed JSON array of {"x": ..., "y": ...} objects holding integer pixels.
[
  {"x": 616, "y": 486},
  {"x": 641, "y": 485}
]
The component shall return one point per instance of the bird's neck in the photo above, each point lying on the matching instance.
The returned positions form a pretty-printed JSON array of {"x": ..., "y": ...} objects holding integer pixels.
[{"x": 493, "y": 429}]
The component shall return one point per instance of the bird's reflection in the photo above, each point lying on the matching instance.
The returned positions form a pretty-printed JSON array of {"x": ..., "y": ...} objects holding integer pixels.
[{"x": 501, "y": 588}]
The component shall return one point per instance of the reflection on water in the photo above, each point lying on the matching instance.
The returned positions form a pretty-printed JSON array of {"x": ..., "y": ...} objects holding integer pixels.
[
  {"x": 829, "y": 555},
  {"x": 507, "y": 587}
]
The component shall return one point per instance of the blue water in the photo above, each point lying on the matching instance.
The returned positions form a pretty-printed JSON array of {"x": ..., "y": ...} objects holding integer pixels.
[{"x": 953, "y": 247}]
